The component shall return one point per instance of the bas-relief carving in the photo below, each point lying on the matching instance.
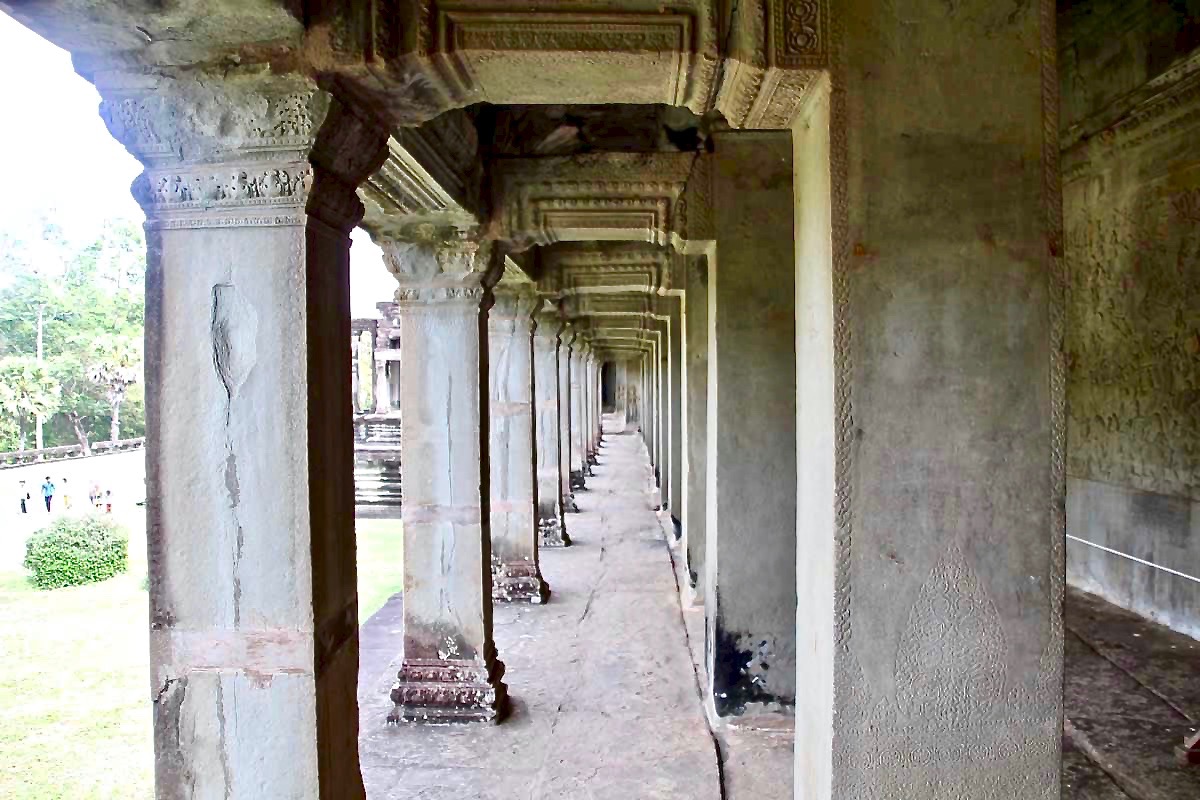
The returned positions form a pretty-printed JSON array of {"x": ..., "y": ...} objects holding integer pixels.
[{"x": 1134, "y": 334}]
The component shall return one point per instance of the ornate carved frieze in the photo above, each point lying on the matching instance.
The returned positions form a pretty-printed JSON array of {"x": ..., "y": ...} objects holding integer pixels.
[
  {"x": 241, "y": 151},
  {"x": 203, "y": 119},
  {"x": 749, "y": 59},
  {"x": 439, "y": 266}
]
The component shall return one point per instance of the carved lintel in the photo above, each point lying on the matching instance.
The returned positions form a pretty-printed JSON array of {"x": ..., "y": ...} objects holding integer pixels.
[
  {"x": 441, "y": 692},
  {"x": 609, "y": 196}
]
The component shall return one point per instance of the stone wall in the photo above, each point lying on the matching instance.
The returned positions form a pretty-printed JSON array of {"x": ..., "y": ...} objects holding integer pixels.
[{"x": 1130, "y": 75}]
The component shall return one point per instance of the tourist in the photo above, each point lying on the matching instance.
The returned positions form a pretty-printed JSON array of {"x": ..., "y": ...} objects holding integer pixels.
[
  {"x": 66, "y": 496},
  {"x": 25, "y": 497},
  {"x": 94, "y": 494},
  {"x": 48, "y": 492},
  {"x": 108, "y": 502}
]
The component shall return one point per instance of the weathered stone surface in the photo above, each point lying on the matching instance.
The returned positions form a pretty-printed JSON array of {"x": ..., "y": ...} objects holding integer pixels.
[
  {"x": 696, "y": 360},
  {"x": 604, "y": 697},
  {"x": 940, "y": 536},
  {"x": 548, "y": 324},
  {"x": 513, "y": 504},
  {"x": 751, "y": 558},
  {"x": 450, "y": 671},
  {"x": 250, "y": 524}
]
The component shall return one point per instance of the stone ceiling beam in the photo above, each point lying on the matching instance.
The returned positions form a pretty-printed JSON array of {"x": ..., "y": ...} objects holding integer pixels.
[{"x": 413, "y": 61}]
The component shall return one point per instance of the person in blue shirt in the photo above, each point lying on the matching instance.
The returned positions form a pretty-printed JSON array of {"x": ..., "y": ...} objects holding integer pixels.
[{"x": 48, "y": 492}]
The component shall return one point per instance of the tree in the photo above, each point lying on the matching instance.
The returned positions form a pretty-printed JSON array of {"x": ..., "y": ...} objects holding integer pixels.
[
  {"x": 30, "y": 391},
  {"x": 83, "y": 401},
  {"x": 115, "y": 364}
]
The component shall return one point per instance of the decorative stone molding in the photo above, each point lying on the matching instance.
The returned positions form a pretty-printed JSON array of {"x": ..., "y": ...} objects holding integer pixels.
[
  {"x": 441, "y": 692},
  {"x": 607, "y": 269},
  {"x": 605, "y": 196},
  {"x": 206, "y": 118},
  {"x": 751, "y": 64},
  {"x": 438, "y": 266},
  {"x": 423, "y": 182},
  {"x": 240, "y": 151}
]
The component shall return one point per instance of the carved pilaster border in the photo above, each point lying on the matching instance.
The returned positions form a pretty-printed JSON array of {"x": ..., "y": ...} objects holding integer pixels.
[{"x": 1057, "y": 289}]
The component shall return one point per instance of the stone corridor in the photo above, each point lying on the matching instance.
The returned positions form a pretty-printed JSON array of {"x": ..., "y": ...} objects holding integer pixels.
[{"x": 602, "y": 687}]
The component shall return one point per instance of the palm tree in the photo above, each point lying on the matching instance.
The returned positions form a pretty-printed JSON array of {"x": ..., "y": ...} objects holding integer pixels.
[
  {"x": 115, "y": 364},
  {"x": 29, "y": 392}
]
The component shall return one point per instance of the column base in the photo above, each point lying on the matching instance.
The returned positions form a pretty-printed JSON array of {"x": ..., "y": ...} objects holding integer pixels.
[
  {"x": 553, "y": 533},
  {"x": 578, "y": 480},
  {"x": 518, "y": 582},
  {"x": 437, "y": 692}
]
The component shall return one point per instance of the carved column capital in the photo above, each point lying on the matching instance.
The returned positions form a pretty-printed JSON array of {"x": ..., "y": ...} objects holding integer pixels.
[
  {"x": 436, "y": 265},
  {"x": 238, "y": 151},
  {"x": 548, "y": 321}
]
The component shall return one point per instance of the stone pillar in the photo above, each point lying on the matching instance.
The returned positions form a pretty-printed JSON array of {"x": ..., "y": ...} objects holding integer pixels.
[
  {"x": 932, "y": 408},
  {"x": 383, "y": 387},
  {"x": 249, "y": 194},
  {"x": 551, "y": 527},
  {"x": 620, "y": 390},
  {"x": 593, "y": 415},
  {"x": 675, "y": 379},
  {"x": 655, "y": 387},
  {"x": 355, "y": 344},
  {"x": 515, "y": 573},
  {"x": 696, "y": 508},
  {"x": 578, "y": 460},
  {"x": 450, "y": 671},
  {"x": 565, "y": 338},
  {"x": 750, "y": 563}
]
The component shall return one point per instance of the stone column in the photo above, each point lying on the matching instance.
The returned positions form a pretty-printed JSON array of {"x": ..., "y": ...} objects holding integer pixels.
[
  {"x": 551, "y": 527},
  {"x": 565, "y": 338},
  {"x": 597, "y": 400},
  {"x": 655, "y": 389},
  {"x": 515, "y": 573},
  {"x": 751, "y": 576},
  {"x": 578, "y": 459},
  {"x": 619, "y": 390},
  {"x": 249, "y": 194},
  {"x": 675, "y": 380},
  {"x": 695, "y": 510},
  {"x": 450, "y": 671},
  {"x": 593, "y": 419},
  {"x": 932, "y": 408},
  {"x": 383, "y": 387},
  {"x": 355, "y": 342}
]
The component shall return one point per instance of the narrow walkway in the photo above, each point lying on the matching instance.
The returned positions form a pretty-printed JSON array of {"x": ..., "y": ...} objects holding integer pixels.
[{"x": 605, "y": 702}]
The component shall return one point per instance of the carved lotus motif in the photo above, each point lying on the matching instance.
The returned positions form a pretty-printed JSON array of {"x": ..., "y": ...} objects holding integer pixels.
[{"x": 950, "y": 666}]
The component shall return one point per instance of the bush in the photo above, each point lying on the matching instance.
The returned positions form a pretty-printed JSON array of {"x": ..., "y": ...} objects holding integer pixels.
[{"x": 77, "y": 550}]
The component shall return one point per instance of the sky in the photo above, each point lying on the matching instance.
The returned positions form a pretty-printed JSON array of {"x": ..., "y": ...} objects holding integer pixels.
[{"x": 57, "y": 158}]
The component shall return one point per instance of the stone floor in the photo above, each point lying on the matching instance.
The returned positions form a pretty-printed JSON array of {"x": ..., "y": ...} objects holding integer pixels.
[
  {"x": 1132, "y": 692},
  {"x": 606, "y": 703}
]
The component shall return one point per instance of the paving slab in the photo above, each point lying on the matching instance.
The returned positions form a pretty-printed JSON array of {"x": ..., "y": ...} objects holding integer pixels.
[{"x": 605, "y": 700}]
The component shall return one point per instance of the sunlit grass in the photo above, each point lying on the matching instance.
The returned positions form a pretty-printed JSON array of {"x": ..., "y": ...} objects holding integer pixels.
[{"x": 75, "y": 688}]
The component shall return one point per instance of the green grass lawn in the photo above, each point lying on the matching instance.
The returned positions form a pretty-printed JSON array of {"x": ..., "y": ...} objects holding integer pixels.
[{"x": 75, "y": 687}]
